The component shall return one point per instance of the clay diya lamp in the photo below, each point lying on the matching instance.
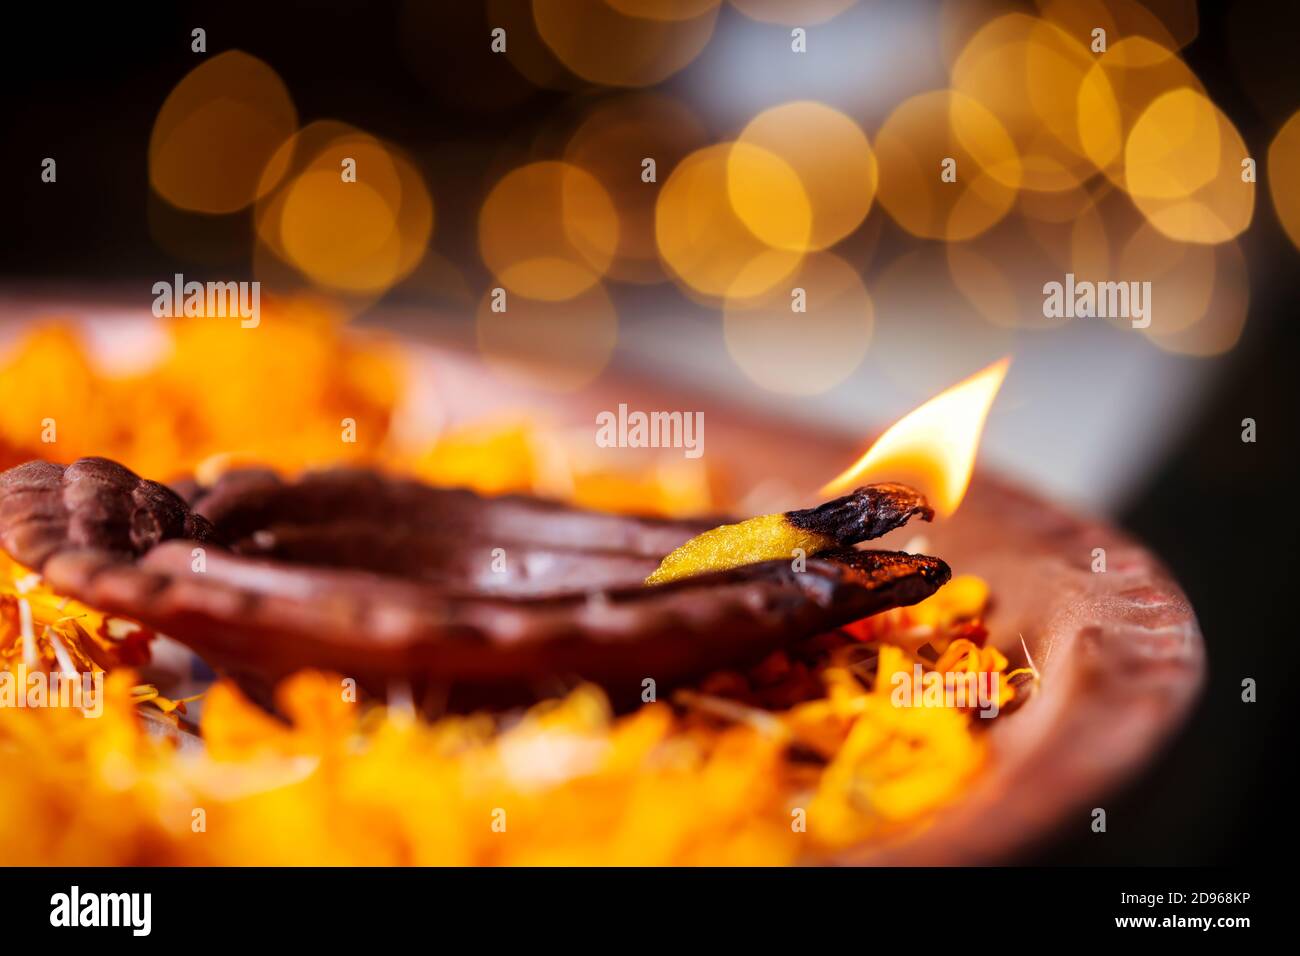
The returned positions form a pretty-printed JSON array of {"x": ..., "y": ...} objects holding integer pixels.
[{"x": 392, "y": 582}]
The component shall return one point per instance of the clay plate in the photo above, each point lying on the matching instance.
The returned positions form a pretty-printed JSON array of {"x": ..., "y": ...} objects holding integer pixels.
[{"x": 1120, "y": 654}]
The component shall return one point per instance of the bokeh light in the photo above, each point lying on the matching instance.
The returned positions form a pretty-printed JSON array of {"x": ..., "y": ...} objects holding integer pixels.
[
  {"x": 1028, "y": 73},
  {"x": 526, "y": 50},
  {"x": 769, "y": 197},
  {"x": 217, "y": 132},
  {"x": 832, "y": 158},
  {"x": 612, "y": 143},
  {"x": 604, "y": 45},
  {"x": 1173, "y": 149},
  {"x": 702, "y": 239},
  {"x": 548, "y": 231},
  {"x": 1283, "y": 173},
  {"x": 914, "y": 144},
  {"x": 349, "y": 235},
  {"x": 1124, "y": 19},
  {"x": 290, "y": 159},
  {"x": 1221, "y": 326},
  {"x": 1183, "y": 169},
  {"x": 1182, "y": 276},
  {"x": 1117, "y": 90},
  {"x": 329, "y": 228}
]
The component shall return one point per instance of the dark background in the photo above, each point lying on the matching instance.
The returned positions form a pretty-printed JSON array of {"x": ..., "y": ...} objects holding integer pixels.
[{"x": 84, "y": 86}]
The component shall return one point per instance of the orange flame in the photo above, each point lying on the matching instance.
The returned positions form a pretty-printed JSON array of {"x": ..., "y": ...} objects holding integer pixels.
[{"x": 933, "y": 447}]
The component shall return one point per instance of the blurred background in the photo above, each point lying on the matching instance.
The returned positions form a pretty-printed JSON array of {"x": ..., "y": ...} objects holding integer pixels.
[{"x": 794, "y": 144}]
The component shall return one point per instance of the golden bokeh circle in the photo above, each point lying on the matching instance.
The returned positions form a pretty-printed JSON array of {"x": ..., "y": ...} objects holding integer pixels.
[
  {"x": 1117, "y": 90},
  {"x": 1183, "y": 169},
  {"x": 1173, "y": 149},
  {"x": 548, "y": 230},
  {"x": 1283, "y": 171},
  {"x": 703, "y": 242},
  {"x": 833, "y": 160},
  {"x": 1028, "y": 72},
  {"x": 214, "y": 139},
  {"x": 292, "y": 158},
  {"x": 340, "y": 234},
  {"x": 768, "y": 196},
  {"x": 912, "y": 147},
  {"x": 356, "y": 234}
]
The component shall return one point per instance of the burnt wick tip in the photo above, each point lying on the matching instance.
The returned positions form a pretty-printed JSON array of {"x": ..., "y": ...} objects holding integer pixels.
[{"x": 865, "y": 513}]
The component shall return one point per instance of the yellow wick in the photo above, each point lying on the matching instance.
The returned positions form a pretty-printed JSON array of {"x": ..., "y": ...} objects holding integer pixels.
[{"x": 765, "y": 538}]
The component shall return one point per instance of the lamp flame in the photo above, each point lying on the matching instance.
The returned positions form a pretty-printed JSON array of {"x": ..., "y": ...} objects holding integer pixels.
[{"x": 933, "y": 447}]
